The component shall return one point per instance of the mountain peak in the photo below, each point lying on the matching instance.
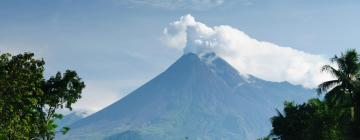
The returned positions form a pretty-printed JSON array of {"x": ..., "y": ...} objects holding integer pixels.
[
  {"x": 199, "y": 96},
  {"x": 192, "y": 58},
  {"x": 218, "y": 66},
  {"x": 208, "y": 57}
]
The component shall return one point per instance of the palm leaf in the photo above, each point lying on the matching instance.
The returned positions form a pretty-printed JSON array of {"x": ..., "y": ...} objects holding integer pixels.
[
  {"x": 323, "y": 87},
  {"x": 337, "y": 97},
  {"x": 332, "y": 71}
]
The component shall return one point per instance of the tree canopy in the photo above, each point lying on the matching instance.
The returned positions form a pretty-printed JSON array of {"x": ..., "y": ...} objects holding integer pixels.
[
  {"x": 336, "y": 117},
  {"x": 29, "y": 102}
]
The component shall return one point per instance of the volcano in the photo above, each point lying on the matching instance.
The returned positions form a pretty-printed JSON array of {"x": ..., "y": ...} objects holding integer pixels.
[{"x": 199, "y": 97}]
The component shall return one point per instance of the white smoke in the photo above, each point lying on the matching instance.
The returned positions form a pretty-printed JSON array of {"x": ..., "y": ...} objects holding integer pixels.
[{"x": 262, "y": 59}]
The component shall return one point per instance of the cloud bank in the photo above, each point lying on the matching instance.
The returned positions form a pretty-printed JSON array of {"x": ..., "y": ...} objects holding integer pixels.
[{"x": 262, "y": 59}]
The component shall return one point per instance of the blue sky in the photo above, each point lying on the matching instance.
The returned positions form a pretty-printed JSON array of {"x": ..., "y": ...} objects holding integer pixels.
[{"x": 115, "y": 45}]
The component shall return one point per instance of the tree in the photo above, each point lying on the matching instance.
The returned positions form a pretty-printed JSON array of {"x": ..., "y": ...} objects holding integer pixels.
[
  {"x": 344, "y": 91},
  {"x": 340, "y": 91},
  {"x": 28, "y": 102},
  {"x": 310, "y": 121},
  {"x": 335, "y": 117}
]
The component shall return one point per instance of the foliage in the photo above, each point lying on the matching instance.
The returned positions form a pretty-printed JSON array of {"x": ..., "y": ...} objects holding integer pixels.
[
  {"x": 340, "y": 91},
  {"x": 28, "y": 102},
  {"x": 336, "y": 117},
  {"x": 311, "y": 121}
]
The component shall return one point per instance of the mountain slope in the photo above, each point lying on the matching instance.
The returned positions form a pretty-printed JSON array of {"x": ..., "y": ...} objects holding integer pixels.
[
  {"x": 71, "y": 118},
  {"x": 199, "y": 97}
]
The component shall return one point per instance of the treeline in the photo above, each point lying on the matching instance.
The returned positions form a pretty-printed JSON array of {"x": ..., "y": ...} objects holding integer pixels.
[{"x": 336, "y": 116}]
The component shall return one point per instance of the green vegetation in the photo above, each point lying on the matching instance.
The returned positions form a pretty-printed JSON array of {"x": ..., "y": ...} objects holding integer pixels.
[
  {"x": 336, "y": 117},
  {"x": 29, "y": 102}
]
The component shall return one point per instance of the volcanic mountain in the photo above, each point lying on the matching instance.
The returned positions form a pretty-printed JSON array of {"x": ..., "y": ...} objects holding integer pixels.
[{"x": 197, "y": 97}]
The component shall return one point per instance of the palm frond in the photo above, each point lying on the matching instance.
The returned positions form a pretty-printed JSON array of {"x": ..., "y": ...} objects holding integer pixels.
[
  {"x": 352, "y": 59},
  {"x": 347, "y": 62},
  {"x": 279, "y": 113},
  {"x": 332, "y": 71},
  {"x": 334, "y": 59},
  {"x": 340, "y": 62},
  {"x": 323, "y": 87},
  {"x": 336, "y": 97}
]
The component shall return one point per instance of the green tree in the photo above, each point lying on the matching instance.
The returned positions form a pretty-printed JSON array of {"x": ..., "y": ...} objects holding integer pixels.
[
  {"x": 340, "y": 91},
  {"x": 344, "y": 91},
  {"x": 28, "y": 102},
  {"x": 336, "y": 117},
  {"x": 307, "y": 121}
]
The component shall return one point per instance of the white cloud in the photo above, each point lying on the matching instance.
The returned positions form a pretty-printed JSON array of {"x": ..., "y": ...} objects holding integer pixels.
[{"x": 262, "y": 59}]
